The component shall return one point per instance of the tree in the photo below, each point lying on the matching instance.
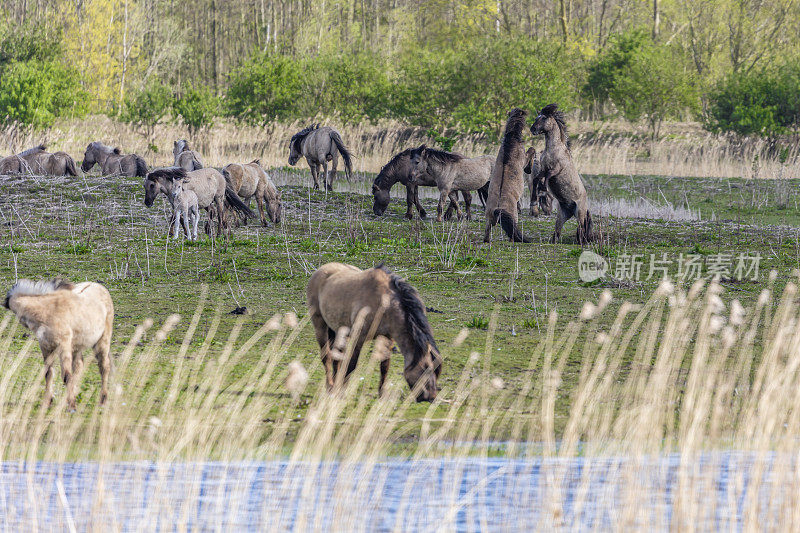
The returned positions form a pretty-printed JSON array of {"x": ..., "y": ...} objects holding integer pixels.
[
  {"x": 266, "y": 87},
  {"x": 196, "y": 108},
  {"x": 147, "y": 107}
]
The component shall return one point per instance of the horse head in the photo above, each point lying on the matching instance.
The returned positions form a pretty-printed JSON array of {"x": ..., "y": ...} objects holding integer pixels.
[{"x": 89, "y": 158}]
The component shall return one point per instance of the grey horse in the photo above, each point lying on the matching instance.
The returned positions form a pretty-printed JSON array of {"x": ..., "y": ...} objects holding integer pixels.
[
  {"x": 112, "y": 161},
  {"x": 318, "y": 146},
  {"x": 185, "y": 157}
]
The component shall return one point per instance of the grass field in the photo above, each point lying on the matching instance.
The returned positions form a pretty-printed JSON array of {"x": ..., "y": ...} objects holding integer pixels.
[{"x": 97, "y": 228}]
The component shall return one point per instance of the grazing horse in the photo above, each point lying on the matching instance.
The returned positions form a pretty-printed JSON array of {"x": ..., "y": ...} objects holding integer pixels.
[
  {"x": 508, "y": 181},
  {"x": 400, "y": 168},
  {"x": 451, "y": 172},
  {"x": 250, "y": 180},
  {"x": 66, "y": 319},
  {"x": 38, "y": 161},
  {"x": 184, "y": 210},
  {"x": 318, "y": 146},
  {"x": 541, "y": 200},
  {"x": 337, "y": 294},
  {"x": 207, "y": 183},
  {"x": 112, "y": 162},
  {"x": 559, "y": 173},
  {"x": 185, "y": 157}
]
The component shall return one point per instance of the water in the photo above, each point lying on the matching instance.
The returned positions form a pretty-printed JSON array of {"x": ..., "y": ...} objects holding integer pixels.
[{"x": 454, "y": 494}]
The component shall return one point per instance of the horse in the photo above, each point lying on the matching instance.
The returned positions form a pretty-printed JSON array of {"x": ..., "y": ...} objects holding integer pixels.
[
  {"x": 559, "y": 173},
  {"x": 66, "y": 319},
  {"x": 400, "y": 168},
  {"x": 38, "y": 160},
  {"x": 185, "y": 209},
  {"x": 508, "y": 181},
  {"x": 207, "y": 183},
  {"x": 185, "y": 157},
  {"x": 250, "y": 180},
  {"x": 451, "y": 172},
  {"x": 337, "y": 294},
  {"x": 318, "y": 146},
  {"x": 541, "y": 200},
  {"x": 112, "y": 162}
]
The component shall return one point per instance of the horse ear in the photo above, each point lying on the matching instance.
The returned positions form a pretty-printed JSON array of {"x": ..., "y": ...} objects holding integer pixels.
[
  {"x": 256, "y": 161},
  {"x": 117, "y": 150},
  {"x": 422, "y": 147}
]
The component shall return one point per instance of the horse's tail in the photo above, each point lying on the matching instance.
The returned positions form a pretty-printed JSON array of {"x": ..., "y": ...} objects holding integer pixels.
[
  {"x": 70, "y": 167},
  {"x": 509, "y": 226},
  {"x": 141, "y": 166},
  {"x": 346, "y": 155},
  {"x": 233, "y": 200},
  {"x": 196, "y": 164},
  {"x": 585, "y": 229},
  {"x": 483, "y": 194},
  {"x": 417, "y": 325}
]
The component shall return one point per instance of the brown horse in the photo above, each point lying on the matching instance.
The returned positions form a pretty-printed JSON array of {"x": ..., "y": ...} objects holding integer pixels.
[
  {"x": 318, "y": 146},
  {"x": 451, "y": 172},
  {"x": 400, "y": 169},
  {"x": 185, "y": 157},
  {"x": 208, "y": 184},
  {"x": 66, "y": 319},
  {"x": 508, "y": 181},
  {"x": 39, "y": 161},
  {"x": 251, "y": 180},
  {"x": 560, "y": 174},
  {"x": 18, "y": 163},
  {"x": 390, "y": 307},
  {"x": 112, "y": 161},
  {"x": 541, "y": 200}
]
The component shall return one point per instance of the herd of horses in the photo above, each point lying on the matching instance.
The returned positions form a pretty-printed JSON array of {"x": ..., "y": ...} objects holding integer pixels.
[{"x": 347, "y": 306}]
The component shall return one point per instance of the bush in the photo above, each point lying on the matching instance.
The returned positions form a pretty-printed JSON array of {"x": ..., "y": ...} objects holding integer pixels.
[
  {"x": 147, "y": 107},
  {"x": 196, "y": 108},
  {"x": 268, "y": 86},
  {"x": 606, "y": 68},
  {"x": 34, "y": 93},
  {"x": 760, "y": 102}
]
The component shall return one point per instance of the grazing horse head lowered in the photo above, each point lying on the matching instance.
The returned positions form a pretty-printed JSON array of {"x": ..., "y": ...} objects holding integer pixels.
[{"x": 346, "y": 302}]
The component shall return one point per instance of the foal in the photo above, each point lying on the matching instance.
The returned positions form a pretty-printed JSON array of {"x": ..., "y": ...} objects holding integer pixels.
[{"x": 184, "y": 208}]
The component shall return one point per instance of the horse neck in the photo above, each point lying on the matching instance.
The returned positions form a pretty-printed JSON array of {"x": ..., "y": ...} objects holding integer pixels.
[
  {"x": 101, "y": 156},
  {"x": 553, "y": 139}
]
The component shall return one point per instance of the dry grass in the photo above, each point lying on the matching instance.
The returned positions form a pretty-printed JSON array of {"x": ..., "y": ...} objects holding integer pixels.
[
  {"x": 604, "y": 148},
  {"x": 652, "y": 440}
]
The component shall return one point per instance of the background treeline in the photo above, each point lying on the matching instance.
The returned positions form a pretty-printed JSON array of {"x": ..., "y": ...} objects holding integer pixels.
[{"x": 733, "y": 64}]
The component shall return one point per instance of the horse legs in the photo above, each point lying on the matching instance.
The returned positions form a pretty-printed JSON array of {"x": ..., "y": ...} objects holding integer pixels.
[
  {"x": 490, "y": 221},
  {"x": 443, "y": 196},
  {"x": 101, "y": 353},
  {"x": 325, "y": 337},
  {"x": 384, "y": 372},
  {"x": 260, "y": 204},
  {"x": 49, "y": 359},
  {"x": 195, "y": 219},
  {"x": 220, "y": 215},
  {"x": 534, "y": 207},
  {"x": 325, "y": 175},
  {"x": 314, "y": 173},
  {"x": 422, "y": 212},
  {"x": 467, "y": 203},
  {"x": 411, "y": 192},
  {"x": 560, "y": 219},
  {"x": 334, "y": 166},
  {"x": 186, "y": 229},
  {"x": 65, "y": 353}
]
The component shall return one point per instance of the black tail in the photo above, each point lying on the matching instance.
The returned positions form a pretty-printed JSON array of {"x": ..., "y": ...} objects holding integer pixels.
[
  {"x": 196, "y": 165},
  {"x": 483, "y": 194},
  {"x": 509, "y": 226},
  {"x": 232, "y": 199},
  {"x": 141, "y": 167},
  {"x": 346, "y": 155},
  {"x": 584, "y": 235},
  {"x": 70, "y": 167}
]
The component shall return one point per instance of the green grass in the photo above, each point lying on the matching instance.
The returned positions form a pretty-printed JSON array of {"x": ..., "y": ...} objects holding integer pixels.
[{"x": 118, "y": 242}]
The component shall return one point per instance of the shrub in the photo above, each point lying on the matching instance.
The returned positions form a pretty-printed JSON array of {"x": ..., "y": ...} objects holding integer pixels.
[
  {"x": 267, "y": 86},
  {"x": 147, "y": 107},
  {"x": 196, "y": 108}
]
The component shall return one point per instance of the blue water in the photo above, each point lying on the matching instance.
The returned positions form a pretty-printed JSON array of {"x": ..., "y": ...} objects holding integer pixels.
[{"x": 455, "y": 494}]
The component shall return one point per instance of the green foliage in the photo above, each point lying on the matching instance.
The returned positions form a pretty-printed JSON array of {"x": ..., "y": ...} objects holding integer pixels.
[
  {"x": 603, "y": 72},
  {"x": 757, "y": 103},
  {"x": 267, "y": 86},
  {"x": 477, "y": 322},
  {"x": 34, "y": 93},
  {"x": 654, "y": 84},
  {"x": 27, "y": 43},
  {"x": 196, "y": 108},
  {"x": 446, "y": 142},
  {"x": 147, "y": 107}
]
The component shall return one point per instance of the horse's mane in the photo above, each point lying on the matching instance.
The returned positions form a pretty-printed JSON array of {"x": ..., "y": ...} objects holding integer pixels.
[
  {"x": 168, "y": 173},
  {"x": 35, "y": 149},
  {"x": 27, "y": 287},
  {"x": 104, "y": 148},
  {"x": 389, "y": 167},
  {"x": 298, "y": 137},
  {"x": 552, "y": 110},
  {"x": 440, "y": 156},
  {"x": 513, "y": 133},
  {"x": 417, "y": 325}
]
